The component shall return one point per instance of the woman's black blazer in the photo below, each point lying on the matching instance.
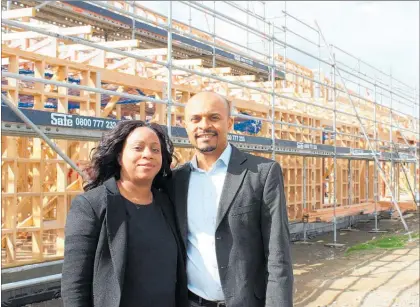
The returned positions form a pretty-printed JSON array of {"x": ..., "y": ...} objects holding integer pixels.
[{"x": 95, "y": 248}]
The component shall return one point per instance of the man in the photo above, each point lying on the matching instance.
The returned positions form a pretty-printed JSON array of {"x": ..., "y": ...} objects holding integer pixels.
[{"x": 232, "y": 214}]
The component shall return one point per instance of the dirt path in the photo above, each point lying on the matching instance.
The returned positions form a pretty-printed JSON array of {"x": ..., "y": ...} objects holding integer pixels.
[{"x": 326, "y": 277}]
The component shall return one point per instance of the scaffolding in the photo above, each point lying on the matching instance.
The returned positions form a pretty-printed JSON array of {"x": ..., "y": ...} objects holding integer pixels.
[{"x": 75, "y": 68}]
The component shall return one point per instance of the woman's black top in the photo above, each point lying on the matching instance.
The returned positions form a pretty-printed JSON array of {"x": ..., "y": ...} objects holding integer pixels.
[{"x": 151, "y": 268}]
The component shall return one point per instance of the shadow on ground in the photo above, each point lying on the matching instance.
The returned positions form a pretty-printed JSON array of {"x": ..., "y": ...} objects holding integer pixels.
[{"x": 327, "y": 277}]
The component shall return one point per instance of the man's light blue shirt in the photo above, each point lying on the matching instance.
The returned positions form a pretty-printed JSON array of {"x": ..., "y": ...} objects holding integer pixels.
[{"x": 204, "y": 192}]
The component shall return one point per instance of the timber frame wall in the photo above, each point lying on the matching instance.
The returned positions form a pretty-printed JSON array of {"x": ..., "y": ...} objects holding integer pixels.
[{"x": 38, "y": 186}]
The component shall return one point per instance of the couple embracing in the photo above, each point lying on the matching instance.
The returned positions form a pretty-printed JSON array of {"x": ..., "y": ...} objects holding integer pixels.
[{"x": 212, "y": 232}]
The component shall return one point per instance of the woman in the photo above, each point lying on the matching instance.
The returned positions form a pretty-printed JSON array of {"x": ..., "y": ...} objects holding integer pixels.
[{"x": 121, "y": 240}]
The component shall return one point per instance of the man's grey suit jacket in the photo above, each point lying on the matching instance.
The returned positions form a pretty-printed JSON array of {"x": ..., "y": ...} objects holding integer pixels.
[{"x": 252, "y": 231}]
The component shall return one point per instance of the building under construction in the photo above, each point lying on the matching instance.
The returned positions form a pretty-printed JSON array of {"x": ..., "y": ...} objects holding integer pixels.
[{"x": 345, "y": 133}]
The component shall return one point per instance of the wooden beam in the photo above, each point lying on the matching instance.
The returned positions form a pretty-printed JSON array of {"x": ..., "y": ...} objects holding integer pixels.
[
  {"x": 249, "y": 105},
  {"x": 119, "y": 64},
  {"x": 112, "y": 102},
  {"x": 176, "y": 72},
  {"x": 218, "y": 70},
  {"x": 241, "y": 78},
  {"x": 35, "y": 93},
  {"x": 35, "y": 23},
  {"x": 107, "y": 76},
  {"x": 37, "y": 214},
  {"x": 10, "y": 205},
  {"x": 152, "y": 52},
  {"x": 87, "y": 57},
  {"x": 18, "y": 13},
  {"x": 159, "y": 116},
  {"x": 113, "y": 44},
  {"x": 62, "y": 201},
  {"x": 189, "y": 62},
  {"x": 140, "y": 52},
  {"x": 42, "y": 44},
  {"x": 62, "y": 31}
]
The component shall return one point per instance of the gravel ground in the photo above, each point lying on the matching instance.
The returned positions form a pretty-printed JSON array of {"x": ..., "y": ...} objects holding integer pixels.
[{"x": 377, "y": 278}]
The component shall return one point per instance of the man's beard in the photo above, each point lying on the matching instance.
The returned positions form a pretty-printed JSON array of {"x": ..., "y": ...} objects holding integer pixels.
[{"x": 206, "y": 148}]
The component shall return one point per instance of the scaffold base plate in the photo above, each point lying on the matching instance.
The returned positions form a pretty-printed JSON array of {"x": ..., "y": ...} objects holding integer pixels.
[
  {"x": 303, "y": 243},
  {"x": 378, "y": 231},
  {"x": 350, "y": 229},
  {"x": 335, "y": 245}
]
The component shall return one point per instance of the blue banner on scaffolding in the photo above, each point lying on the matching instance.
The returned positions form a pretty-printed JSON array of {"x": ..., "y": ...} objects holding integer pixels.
[
  {"x": 249, "y": 126},
  {"x": 72, "y": 121}
]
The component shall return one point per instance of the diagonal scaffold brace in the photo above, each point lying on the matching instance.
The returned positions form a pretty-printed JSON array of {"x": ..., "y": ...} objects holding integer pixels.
[{"x": 373, "y": 152}]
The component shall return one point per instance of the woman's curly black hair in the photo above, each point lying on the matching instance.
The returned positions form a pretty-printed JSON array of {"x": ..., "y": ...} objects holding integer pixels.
[{"x": 104, "y": 161}]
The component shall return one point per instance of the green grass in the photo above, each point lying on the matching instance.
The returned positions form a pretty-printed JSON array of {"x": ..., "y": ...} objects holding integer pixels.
[{"x": 385, "y": 242}]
